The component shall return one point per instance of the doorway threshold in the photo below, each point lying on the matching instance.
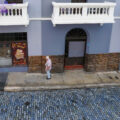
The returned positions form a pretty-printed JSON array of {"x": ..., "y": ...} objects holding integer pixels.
[{"x": 73, "y": 67}]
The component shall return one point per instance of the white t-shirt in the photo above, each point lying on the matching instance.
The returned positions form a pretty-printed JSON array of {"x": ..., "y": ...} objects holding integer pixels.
[{"x": 49, "y": 64}]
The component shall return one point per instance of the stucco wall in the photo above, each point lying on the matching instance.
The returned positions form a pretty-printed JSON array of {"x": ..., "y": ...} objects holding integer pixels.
[
  {"x": 33, "y": 29},
  {"x": 47, "y": 5},
  {"x": 51, "y": 40},
  {"x": 115, "y": 36},
  {"x": 34, "y": 8},
  {"x": 54, "y": 37}
]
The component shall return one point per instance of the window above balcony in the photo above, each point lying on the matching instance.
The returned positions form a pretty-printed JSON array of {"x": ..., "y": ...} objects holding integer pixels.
[
  {"x": 14, "y": 14},
  {"x": 83, "y": 13}
]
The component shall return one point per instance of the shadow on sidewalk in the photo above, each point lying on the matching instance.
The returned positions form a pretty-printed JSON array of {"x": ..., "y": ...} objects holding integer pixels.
[{"x": 3, "y": 79}]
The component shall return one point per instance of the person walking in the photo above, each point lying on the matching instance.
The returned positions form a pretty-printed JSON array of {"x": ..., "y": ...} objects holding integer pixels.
[{"x": 48, "y": 67}]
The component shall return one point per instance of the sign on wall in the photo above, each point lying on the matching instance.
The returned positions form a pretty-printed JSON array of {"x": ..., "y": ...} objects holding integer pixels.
[{"x": 19, "y": 53}]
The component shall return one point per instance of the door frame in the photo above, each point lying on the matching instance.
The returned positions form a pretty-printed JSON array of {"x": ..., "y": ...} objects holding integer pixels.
[{"x": 67, "y": 41}]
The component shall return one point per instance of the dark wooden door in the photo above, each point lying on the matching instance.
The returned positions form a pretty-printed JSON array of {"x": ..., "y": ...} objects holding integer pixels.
[
  {"x": 75, "y": 47},
  {"x": 78, "y": 1},
  {"x": 76, "y": 52},
  {"x": 14, "y": 1},
  {"x": 19, "y": 53}
]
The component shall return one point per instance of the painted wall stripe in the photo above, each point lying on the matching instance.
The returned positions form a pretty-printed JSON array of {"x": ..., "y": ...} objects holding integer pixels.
[{"x": 42, "y": 19}]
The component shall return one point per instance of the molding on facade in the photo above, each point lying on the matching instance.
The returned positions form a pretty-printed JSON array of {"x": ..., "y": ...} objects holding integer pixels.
[
  {"x": 117, "y": 17},
  {"x": 39, "y": 19},
  {"x": 44, "y": 19}
]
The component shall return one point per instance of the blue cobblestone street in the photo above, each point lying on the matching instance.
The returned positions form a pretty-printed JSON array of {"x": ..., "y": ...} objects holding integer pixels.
[{"x": 70, "y": 104}]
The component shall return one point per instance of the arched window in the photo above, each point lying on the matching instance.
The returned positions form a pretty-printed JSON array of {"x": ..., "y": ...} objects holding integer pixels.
[{"x": 76, "y": 34}]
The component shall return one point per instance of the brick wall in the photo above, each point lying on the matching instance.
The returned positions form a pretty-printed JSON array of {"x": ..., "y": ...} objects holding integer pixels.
[
  {"x": 37, "y": 64},
  {"x": 102, "y": 62},
  {"x": 57, "y": 64},
  {"x": 93, "y": 63},
  {"x": 74, "y": 61},
  {"x": 34, "y": 63}
]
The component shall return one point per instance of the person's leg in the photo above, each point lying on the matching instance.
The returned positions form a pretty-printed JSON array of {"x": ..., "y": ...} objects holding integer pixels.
[{"x": 48, "y": 74}]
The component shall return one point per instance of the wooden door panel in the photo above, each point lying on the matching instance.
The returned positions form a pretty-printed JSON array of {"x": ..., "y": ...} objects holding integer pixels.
[
  {"x": 75, "y": 46},
  {"x": 75, "y": 53},
  {"x": 78, "y": 1},
  {"x": 74, "y": 61}
]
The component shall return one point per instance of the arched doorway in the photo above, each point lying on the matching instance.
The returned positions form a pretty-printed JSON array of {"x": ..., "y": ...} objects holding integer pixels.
[{"x": 75, "y": 48}]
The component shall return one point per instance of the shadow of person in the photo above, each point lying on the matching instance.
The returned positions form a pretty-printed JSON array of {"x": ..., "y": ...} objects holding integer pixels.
[{"x": 3, "y": 79}]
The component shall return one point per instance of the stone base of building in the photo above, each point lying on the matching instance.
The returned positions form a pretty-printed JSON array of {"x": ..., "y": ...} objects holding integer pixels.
[
  {"x": 102, "y": 62},
  {"x": 37, "y": 64},
  {"x": 93, "y": 63},
  {"x": 34, "y": 64}
]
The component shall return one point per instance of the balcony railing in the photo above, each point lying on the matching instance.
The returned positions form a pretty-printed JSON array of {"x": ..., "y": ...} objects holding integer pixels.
[
  {"x": 83, "y": 13},
  {"x": 13, "y": 14}
]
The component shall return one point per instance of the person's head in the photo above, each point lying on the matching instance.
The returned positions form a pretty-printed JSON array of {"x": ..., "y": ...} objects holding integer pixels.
[{"x": 47, "y": 58}]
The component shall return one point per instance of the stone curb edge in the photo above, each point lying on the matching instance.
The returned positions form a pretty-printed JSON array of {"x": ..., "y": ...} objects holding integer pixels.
[{"x": 57, "y": 87}]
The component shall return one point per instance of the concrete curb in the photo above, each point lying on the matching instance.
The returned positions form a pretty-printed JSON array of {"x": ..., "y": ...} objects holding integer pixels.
[{"x": 57, "y": 87}]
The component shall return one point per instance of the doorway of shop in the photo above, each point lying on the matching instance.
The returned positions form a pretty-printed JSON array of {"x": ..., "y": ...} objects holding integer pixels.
[
  {"x": 75, "y": 49},
  {"x": 13, "y": 50}
]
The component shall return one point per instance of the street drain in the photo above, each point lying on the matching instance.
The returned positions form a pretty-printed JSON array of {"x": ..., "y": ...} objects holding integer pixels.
[
  {"x": 73, "y": 101},
  {"x": 110, "y": 77},
  {"x": 27, "y": 103},
  {"x": 116, "y": 77},
  {"x": 83, "y": 118}
]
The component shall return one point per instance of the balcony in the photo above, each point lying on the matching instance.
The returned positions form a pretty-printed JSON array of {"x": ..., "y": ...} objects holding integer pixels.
[
  {"x": 13, "y": 14},
  {"x": 83, "y": 13}
]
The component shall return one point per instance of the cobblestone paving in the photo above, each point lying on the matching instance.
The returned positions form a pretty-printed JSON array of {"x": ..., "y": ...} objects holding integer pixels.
[{"x": 71, "y": 104}]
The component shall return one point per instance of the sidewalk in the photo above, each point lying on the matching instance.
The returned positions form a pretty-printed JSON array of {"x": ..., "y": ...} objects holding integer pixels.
[{"x": 69, "y": 79}]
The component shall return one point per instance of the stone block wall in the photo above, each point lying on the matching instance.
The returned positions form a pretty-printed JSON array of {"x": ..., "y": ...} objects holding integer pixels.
[
  {"x": 34, "y": 63},
  {"x": 93, "y": 63},
  {"x": 57, "y": 64},
  {"x": 113, "y": 61},
  {"x": 74, "y": 61},
  {"x": 37, "y": 64},
  {"x": 102, "y": 62}
]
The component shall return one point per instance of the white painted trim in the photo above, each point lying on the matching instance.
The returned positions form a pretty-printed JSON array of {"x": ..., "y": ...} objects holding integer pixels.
[
  {"x": 85, "y": 4},
  {"x": 13, "y": 18},
  {"x": 83, "y": 13},
  {"x": 118, "y": 17},
  {"x": 39, "y": 19},
  {"x": 44, "y": 19}
]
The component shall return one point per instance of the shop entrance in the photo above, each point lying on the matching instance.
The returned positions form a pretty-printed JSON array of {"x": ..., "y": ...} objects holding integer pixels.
[
  {"x": 13, "y": 49},
  {"x": 75, "y": 49}
]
